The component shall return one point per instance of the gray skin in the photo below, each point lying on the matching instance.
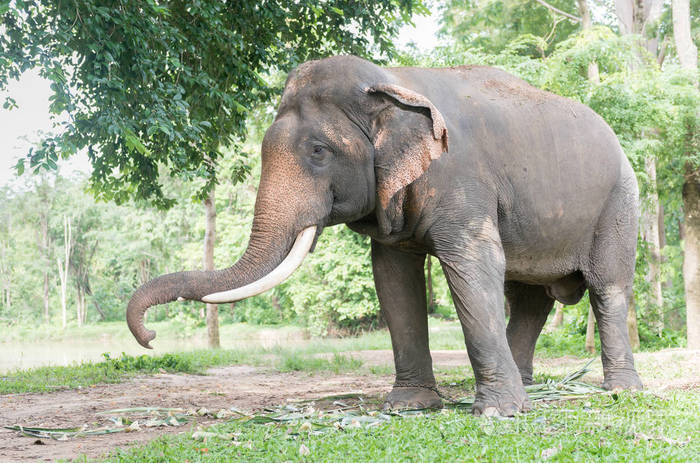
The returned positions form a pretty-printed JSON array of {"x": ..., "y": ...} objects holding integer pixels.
[{"x": 515, "y": 190}]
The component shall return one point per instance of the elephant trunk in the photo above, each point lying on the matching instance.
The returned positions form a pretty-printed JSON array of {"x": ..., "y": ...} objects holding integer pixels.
[{"x": 266, "y": 262}]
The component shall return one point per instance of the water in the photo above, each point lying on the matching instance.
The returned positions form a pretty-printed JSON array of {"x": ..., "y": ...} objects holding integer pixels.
[{"x": 23, "y": 355}]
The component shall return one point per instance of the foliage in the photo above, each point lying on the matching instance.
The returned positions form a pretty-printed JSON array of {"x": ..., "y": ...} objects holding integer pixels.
[
  {"x": 151, "y": 85},
  {"x": 494, "y": 25},
  {"x": 335, "y": 286}
]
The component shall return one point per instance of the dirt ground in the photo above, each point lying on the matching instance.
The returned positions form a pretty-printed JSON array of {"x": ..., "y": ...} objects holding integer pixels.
[{"x": 249, "y": 388}]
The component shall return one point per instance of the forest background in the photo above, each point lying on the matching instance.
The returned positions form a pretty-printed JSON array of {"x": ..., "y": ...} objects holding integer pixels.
[{"x": 74, "y": 247}]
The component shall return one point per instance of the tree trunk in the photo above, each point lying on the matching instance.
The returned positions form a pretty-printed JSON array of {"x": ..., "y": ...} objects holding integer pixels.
[
  {"x": 99, "y": 309},
  {"x": 79, "y": 305},
  {"x": 590, "y": 332},
  {"x": 145, "y": 275},
  {"x": 5, "y": 273},
  {"x": 691, "y": 255},
  {"x": 429, "y": 283},
  {"x": 632, "y": 329},
  {"x": 686, "y": 49},
  {"x": 209, "y": 239},
  {"x": 558, "y": 318},
  {"x": 587, "y": 24},
  {"x": 688, "y": 56},
  {"x": 63, "y": 269},
  {"x": 44, "y": 223},
  {"x": 650, "y": 234}
]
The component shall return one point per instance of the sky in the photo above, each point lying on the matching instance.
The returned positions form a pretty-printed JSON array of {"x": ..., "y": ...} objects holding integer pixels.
[{"x": 20, "y": 127}]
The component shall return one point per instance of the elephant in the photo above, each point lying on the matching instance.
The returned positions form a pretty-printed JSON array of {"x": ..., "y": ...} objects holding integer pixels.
[{"x": 516, "y": 191}]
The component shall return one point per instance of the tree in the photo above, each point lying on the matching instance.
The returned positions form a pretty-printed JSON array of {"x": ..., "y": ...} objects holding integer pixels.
[
  {"x": 85, "y": 245},
  {"x": 495, "y": 25},
  {"x": 641, "y": 18},
  {"x": 688, "y": 56},
  {"x": 43, "y": 206},
  {"x": 209, "y": 239},
  {"x": 64, "y": 266},
  {"x": 151, "y": 86}
]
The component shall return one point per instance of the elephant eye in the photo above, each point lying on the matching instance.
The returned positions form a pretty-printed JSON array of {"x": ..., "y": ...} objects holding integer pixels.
[
  {"x": 319, "y": 155},
  {"x": 319, "y": 152}
]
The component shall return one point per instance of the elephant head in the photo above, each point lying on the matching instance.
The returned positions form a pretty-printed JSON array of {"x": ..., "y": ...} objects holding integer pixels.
[{"x": 348, "y": 138}]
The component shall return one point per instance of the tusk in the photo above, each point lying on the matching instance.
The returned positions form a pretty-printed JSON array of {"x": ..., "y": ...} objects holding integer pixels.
[{"x": 296, "y": 255}]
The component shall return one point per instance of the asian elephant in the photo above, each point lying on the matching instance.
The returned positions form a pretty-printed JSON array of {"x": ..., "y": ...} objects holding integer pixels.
[{"x": 515, "y": 190}]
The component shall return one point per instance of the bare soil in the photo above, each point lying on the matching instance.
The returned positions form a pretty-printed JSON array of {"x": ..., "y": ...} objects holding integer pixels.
[{"x": 251, "y": 389}]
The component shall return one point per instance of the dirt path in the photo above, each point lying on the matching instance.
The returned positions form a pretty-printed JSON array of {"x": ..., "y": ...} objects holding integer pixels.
[
  {"x": 249, "y": 388},
  {"x": 243, "y": 387}
]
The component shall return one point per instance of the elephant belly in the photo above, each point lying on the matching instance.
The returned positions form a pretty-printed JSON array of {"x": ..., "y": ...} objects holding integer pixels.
[{"x": 548, "y": 260}]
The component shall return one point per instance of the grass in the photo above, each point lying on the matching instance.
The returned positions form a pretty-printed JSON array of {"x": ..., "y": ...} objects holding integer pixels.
[
  {"x": 624, "y": 427},
  {"x": 114, "y": 370},
  {"x": 293, "y": 361}
]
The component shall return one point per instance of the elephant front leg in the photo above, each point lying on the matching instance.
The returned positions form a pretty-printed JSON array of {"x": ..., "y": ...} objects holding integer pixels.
[
  {"x": 400, "y": 281},
  {"x": 475, "y": 273}
]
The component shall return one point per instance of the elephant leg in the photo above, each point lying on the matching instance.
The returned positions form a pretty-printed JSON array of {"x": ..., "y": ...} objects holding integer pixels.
[
  {"x": 400, "y": 281},
  {"x": 474, "y": 265},
  {"x": 529, "y": 307},
  {"x": 609, "y": 280},
  {"x": 609, "y": 305}
]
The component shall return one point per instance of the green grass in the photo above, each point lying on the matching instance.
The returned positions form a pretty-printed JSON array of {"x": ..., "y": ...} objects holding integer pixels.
[
  {"x": 627, "y": 427},
  {"x": 114, "y": 370},
  {"x": 293, "y": 361}
]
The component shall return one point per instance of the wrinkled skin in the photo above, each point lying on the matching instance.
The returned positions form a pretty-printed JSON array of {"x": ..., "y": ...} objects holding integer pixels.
[{"x": 513, "y": 189}]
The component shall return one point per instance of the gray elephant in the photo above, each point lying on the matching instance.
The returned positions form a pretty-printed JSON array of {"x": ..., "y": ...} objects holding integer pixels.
[{"x": 515, "y": 190}]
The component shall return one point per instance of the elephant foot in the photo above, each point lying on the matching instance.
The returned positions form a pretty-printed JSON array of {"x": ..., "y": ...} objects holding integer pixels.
[
  {"x": 410, "y": 397},
  {"x": 622, "y": 379},
  {"x": 501, "y": 400},
  {"x": 526, "y": 378}
]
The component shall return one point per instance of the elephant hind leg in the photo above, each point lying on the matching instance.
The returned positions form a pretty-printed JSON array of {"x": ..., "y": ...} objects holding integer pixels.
[
  {"x": 609, "y": 280},
  {"x": 529, "y": 307}
]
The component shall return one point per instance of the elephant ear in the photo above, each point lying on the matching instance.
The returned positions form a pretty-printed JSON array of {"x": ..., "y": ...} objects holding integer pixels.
[{"x": 408, "y": 134}]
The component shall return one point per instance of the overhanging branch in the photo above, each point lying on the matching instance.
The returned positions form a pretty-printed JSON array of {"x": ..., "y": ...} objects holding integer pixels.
[{"x": 558, "y": 11}]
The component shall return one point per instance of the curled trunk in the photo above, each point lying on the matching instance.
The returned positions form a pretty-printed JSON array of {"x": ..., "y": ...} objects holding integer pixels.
[{"x": 267, "y": 248}]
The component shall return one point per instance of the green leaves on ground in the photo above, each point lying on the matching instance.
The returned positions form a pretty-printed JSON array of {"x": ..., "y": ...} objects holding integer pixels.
[{"x": 636, "y": 427}]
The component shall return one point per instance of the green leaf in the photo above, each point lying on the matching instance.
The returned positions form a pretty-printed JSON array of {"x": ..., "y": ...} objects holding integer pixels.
[
  {"x": 134, "y": 143},
  {"x": 19, "y": 167}
]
